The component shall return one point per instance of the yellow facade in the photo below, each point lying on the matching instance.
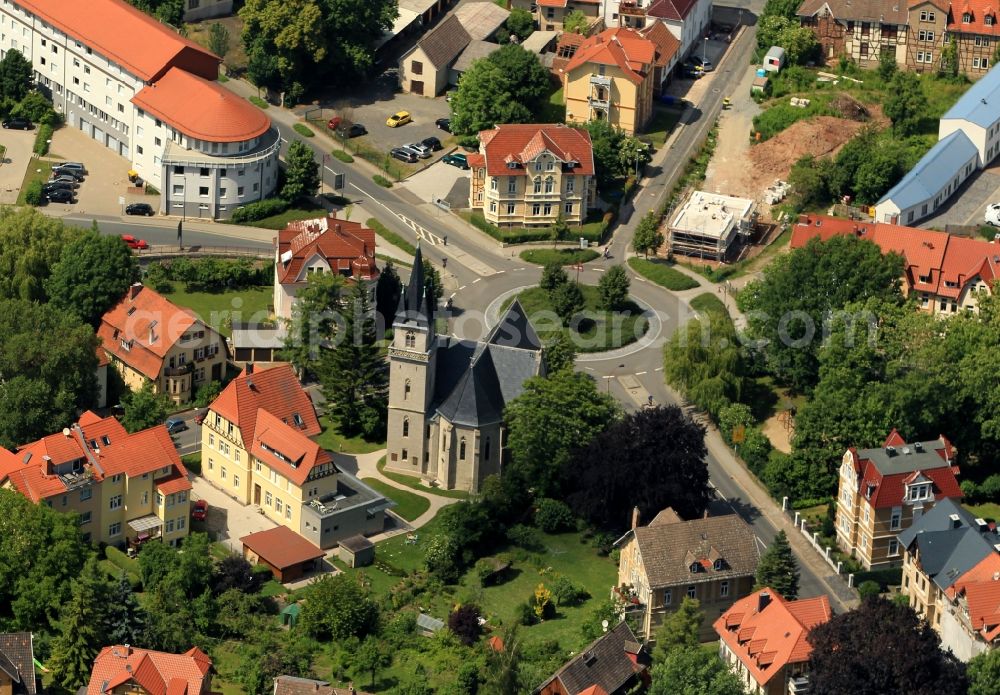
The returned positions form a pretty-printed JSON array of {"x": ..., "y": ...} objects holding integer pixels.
[
  {"x": 603, "y": 92},
  {"x": 224, "y": 457},
  {"x": 534, "y": 200}
]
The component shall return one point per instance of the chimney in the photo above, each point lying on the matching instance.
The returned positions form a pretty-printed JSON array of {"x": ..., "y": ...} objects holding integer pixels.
[
  {"x": 133, "y": 291},
  {"x": 128, "y": 650},
  {"x": 763, "y": 601},
  {"x": 249, "y": 368},
  {"x": 635, "y": 517},
  {"x": 47, "y": 467},
  {"x": 350, "y": 689},
  {"x": 336, "y": 228},
  {"x": 956, "y": 521},
  {"x": 982, "y": 526}
]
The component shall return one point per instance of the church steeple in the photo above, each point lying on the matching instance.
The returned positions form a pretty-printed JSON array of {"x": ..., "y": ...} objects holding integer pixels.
[{"x": 415, "y": 304}]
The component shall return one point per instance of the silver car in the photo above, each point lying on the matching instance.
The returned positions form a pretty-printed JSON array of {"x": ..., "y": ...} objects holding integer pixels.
[{"x": 422, "y": 151}]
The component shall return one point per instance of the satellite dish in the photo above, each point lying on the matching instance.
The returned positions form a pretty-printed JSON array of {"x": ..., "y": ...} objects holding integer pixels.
[{"x": 604, "y": 624}]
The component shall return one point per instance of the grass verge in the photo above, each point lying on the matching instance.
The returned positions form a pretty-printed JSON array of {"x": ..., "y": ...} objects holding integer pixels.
[
  {"x": 332, "y": 440},
  {"x": 258, "y": 102},
  {"x": 382, "y": 181},
  {"x": 592, "y": 230},
  {"x": 414, "y": 483},
  {"x": 391, "y": 236},
  {"x": 408, "y": 505},
  {"x": 38, "y": 170},
  {"x": 342, "y": 156},
  {"x": 662, "y": 274},
  {"x": 661, "y": 125},
  {"x": 564, "y": 256},
  {"x": 304, "y": 130}
]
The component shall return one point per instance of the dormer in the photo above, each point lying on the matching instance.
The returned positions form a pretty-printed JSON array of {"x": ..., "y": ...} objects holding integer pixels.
[{"x": 919, "y": 488}]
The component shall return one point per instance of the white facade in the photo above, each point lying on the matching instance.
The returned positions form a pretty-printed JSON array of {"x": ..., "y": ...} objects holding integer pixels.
[{"x": 689, "y": 31}]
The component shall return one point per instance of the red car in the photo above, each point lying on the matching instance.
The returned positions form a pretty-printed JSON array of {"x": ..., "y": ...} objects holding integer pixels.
[
  {"x": 200, "y": 417},
  {"x": 333, "y": 123},
  {"x": 199, "y": 510},
  {"x": 134, "y": 243}
]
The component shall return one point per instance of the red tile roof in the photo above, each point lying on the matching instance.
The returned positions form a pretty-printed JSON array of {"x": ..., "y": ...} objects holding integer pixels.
[
  {"x": 520, "y": 143},
  {"x": 552, "y": 3},
  {"x": 281, "y": 547},
  {"x": 979, "y": 11},
  {"x": 151, "y": 323},
  {"x": 129, "y": 37},
  {"x": 201, "y": 108},
  {"x": 885, "y": 488},
  {"x": 285, "y": 449},
  {"x": 766, "y": 640},
  {"x": 176, "y": 482},
  {"x": 667, "y": 45},
  {"x": 346, "y": 246},
  {"x": 628, "y": 49},
  {"x": 949, "y": 263},
  {"x": 159, "y": 673},
  {"x": 677, "y": 10},
  {"x": 276, "y": 390},
  {"x": 983, "y": 599}
]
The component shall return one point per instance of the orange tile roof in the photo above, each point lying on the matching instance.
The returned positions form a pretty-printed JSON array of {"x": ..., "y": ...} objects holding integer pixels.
[
  {"x": 628, "y": 49},
  {"x": 151, "y": 322},
  {"x": 141, "y": 452},
  {"x": 285, "y": 449},
  {"x": 983, "y": 600},
  {"x": 942, "y": 258},
  {"x": 281, "y": 547},
  {"x": 176, "y": 482},
  {"x": 154, "y": 671},
  {"x": 344, "y": 245},
  {"x": 985, "y": 570},
  {"x": 522, "y": 142},
  {"x": 201, "y": 108},
  {"x": 766, "y": 640},
  {"x": 667, "y": 45},
  {"x": 980, "y": 10},
  {"x": 129, "y": 37},
  {"x": 276, "y": 390}
]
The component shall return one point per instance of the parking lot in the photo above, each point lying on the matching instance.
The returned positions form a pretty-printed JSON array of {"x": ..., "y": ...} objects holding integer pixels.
[
  {"x": 440, "y": 181},
  {"x": 968, "y": 207},
  {"x": 16, "y": 160},
  {"x": 227, "y": 520}
]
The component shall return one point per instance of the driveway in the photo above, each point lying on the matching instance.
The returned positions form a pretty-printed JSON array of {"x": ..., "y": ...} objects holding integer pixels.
[
  {"x": 440, "y": 180},
  {"x": 227, "y": 519},
  {"x": 107, "y": 177},
  {"x": 968, "y": 206},
  {"x": 19, "y": 144}
]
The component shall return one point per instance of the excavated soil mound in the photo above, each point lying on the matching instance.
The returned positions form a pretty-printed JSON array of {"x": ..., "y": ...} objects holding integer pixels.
[{"x": 819, "y": 136}]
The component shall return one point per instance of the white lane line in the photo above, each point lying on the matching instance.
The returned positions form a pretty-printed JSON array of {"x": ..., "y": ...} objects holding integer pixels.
[
  {"x": 452, "y": 295},
  {"x": 461, "y": 288},
  {"x": 500, "y": 272},
  {"x": 476, "y": 280},
  {"x": 658, "y": 369},
  {"x": 639, "y": 373},
  {"x": 329, "y": 169},
  {"x": 589, "y": 369},
  {"x": 284, "y": 141}
]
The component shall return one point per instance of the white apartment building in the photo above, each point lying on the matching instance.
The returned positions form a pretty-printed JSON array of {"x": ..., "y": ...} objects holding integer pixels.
[{"x": 150, "y": 96}]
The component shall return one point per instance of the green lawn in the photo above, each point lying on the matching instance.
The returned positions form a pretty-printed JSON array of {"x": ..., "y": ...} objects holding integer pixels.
[
  {"x": 708, "y": 303},
  {"x": 987, "y": 510},
  {"x": 740, "y": 268},
  {"x": 593, "y": 329},
  {"x": 304, "y": 130},
  {"x": 564, "y": 256},
  {"x": 661, "y": 125},
  {"x": 281, "y": 220},
  {"x": 226, "y": 659},
  {"x": 412, "y": 482},
  {"x": 218, "y": 309},
  {"x": 592, "y": 230},
  {"x": 272, "y": 588},
  {"x": 332, "y": 440},
  {"x": 220, "y": 551},
  {"x": 38, "y": 169},
  {"x": 662, "y": 274},
  {"x": 408, "y": 505},
  {"x": 554, "y": 110}
]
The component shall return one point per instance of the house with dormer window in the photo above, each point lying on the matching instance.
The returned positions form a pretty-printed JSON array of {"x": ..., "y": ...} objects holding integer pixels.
[
  {"x": 526, "y": 175},
  {"x": 883, "y": 491},
  {"x": 972, "y": 26},
  {"x": 713, "y": 559}
]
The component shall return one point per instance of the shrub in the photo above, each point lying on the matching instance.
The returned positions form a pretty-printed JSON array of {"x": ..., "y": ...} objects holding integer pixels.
[
  {"x": 464, "y": 622},
  {"x": 989, "y": 489},
  {"x": 868, "y": 589},
  {"x": 382, "y": 181},
  {"x": 251, "y": 212},
  {"x": 970, "y": 490},
  {"x": 42, "y": 139},
  {"x": 484, "y": 570},
  {"x": 554, "y": 516},
  {"x": 541, "y": 603},
  {"x": 192, "y": 462},
  {"x": 206, "y": 393},
  {"x": 526, "y": 614},
  {"x": 343, "y": 156},
  {"x": 258, "y": 102},
  {"x": 33, "y": 193},
  {"x": 303, "y": 130},
  {"x": 525, "y": 537},
  {"x": 566, "y": 593}
]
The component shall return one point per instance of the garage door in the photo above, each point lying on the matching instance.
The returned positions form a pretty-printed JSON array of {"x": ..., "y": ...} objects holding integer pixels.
[
  {"x": 84, "y": 126},
  {"x": 114, "y": 145},
  {"x": 417, "y": 87},
  {"x": 99, "y": 135}
]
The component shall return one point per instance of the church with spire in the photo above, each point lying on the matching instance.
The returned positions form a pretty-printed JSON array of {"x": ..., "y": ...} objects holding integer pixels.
[{"x": 447, "y": 396}]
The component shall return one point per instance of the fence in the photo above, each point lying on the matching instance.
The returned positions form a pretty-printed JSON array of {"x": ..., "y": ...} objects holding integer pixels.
[
  {"x": 171, "y": 251},
  {"x": 803, "y": 526}
]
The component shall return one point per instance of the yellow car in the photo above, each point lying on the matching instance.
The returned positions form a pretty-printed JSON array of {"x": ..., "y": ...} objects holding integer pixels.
[{"x": 398, "y": 119}]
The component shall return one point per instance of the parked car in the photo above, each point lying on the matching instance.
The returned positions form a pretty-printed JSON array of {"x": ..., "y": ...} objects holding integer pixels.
[
  {"x": 456, "y": 159},
  {"x": 75, "y": 167},
  {"x": 352, "y": 130},
  {"x": 403, "y": 154},
  {"x": 67, "y": 175},
  {"x": 703, "y": 63},
  {"x": 134, "y": 243},
  {"x": 443, "y": 124},
  {"x": 73, "y": 181},
  {"x": 399, "y": 118},
  {"x": 58, "y": 195},
  {"x": 17, "y": 124},
  {"x": 139, "y": 209},
  {"x": 993, "y": 214},
  {"x": 422, "y": 150},
  {"x": 691, "y": 71},
  {"x": 175, "y": 425},
  {"x": 431, "y": 143},
  {"x": 57, "y": 186},
  {"x": 199, "y": 510},
  {"x": 333, "y": 123}
]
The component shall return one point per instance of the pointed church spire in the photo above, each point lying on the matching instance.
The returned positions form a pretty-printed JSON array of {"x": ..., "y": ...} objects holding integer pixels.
[{"x": 414, "y": 304}]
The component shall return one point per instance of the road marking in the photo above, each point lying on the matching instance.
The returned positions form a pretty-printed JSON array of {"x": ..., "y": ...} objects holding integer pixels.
[
  {"x": 329, "y": 169},
  {"x": 461, "y": 288},
  {"x": 589, "y": 369},
  {"x": 639, "y": 373},
  {"x": 476, "y": 280},
  {"x": 658, "y": 369},
  {"x": 500, "y": 272},
  {"x": 452, "y": 295}
]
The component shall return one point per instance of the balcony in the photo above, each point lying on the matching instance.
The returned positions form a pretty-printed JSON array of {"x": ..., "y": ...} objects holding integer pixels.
[
  {"x": 601, "y": 81},
  {"x": 799, "y": 685},
  {"x": 629, "y": 7},
  {"x": 177, "y": 371},
  {"x": 602, "y": 104}
]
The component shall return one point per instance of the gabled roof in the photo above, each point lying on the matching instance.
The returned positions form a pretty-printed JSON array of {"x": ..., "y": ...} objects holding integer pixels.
[
  {"x": 347, "y": 247},
  {"x": 887, "y": 11},
  {"x": 17, "y": 660},
  {"x": 481, "y": 19},
  {"x": 884, "y": 473},
  {"x": 122, "y": 33},
  {"x": 767, "y": 633},
  {"x": 625, "y": 48},
  {"x": 476, "y": 400},
  {"x": 514, "y": 330},
  {"x": 214, "y": 113},
  {"x": 669, "y": 550},
  {"x": 159, "y": 673},
  {"x": 942, "y": 162},
  {"x": 442, "y": 44},
  {"x": 286, "y": 449},
  {"x": 292, "y": 685},
  {"x": 276, "y": 390},
  {"x": 281, "y": 547},
  {"x": 609, "y": 662},
  {"x": 675, "y": 10},
  {"x": 667, "y": 45},
  {"x": 978, "y": 10},
  {"x": 475, "y": 50},
  {"x": 520, "y": 143}
]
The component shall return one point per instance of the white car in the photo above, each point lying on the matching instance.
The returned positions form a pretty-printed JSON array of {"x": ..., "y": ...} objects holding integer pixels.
[{"x": 993, "y": 214}]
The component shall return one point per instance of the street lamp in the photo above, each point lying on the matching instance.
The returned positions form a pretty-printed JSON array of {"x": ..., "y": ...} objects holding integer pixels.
[{"x": 704, "y": 50}]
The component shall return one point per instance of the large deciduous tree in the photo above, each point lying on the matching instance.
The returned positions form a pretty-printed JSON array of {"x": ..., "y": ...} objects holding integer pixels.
[
  {"x": 548, "y": 421},
  {"x": 339, "y": 608},
  {"x": 301, "y": 173},
  {"x": 680, "y": 629},
  {"x": 906, "y": 103},
  {"x": 881, "y": 647},
  {"x": 508, "y": 86},
  {"x": 616, "y": 153},
  {"x": 613, "y": 288},
  {"x": 353, "y": 373},
  {"x": 984, "y": 673},
  {"x": 653, "y": 458},
  {"x": 30, "y": 244},
  {"x": 647, "y": 235},
  {"x": 15, "y": 76},
  {"x": 93, "y": 273},
  {"x": 694, "y": 671},
  {"x": 778, "y": 570},
  {"x": 313, "y": 321},
  {"x": 144, "y": 408}
]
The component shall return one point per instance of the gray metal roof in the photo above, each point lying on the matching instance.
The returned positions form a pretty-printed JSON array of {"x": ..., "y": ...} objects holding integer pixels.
[
  {"x": 942, "y": 162},
  {"x": 481, "y": 19},
  {"x": 515, "y": 330},
  {"x": 918, "y": 456},
  {"x": 474, "y": 51},
  {"x": 981, "y": 103},
  {"x": 948, "y": 547}
]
